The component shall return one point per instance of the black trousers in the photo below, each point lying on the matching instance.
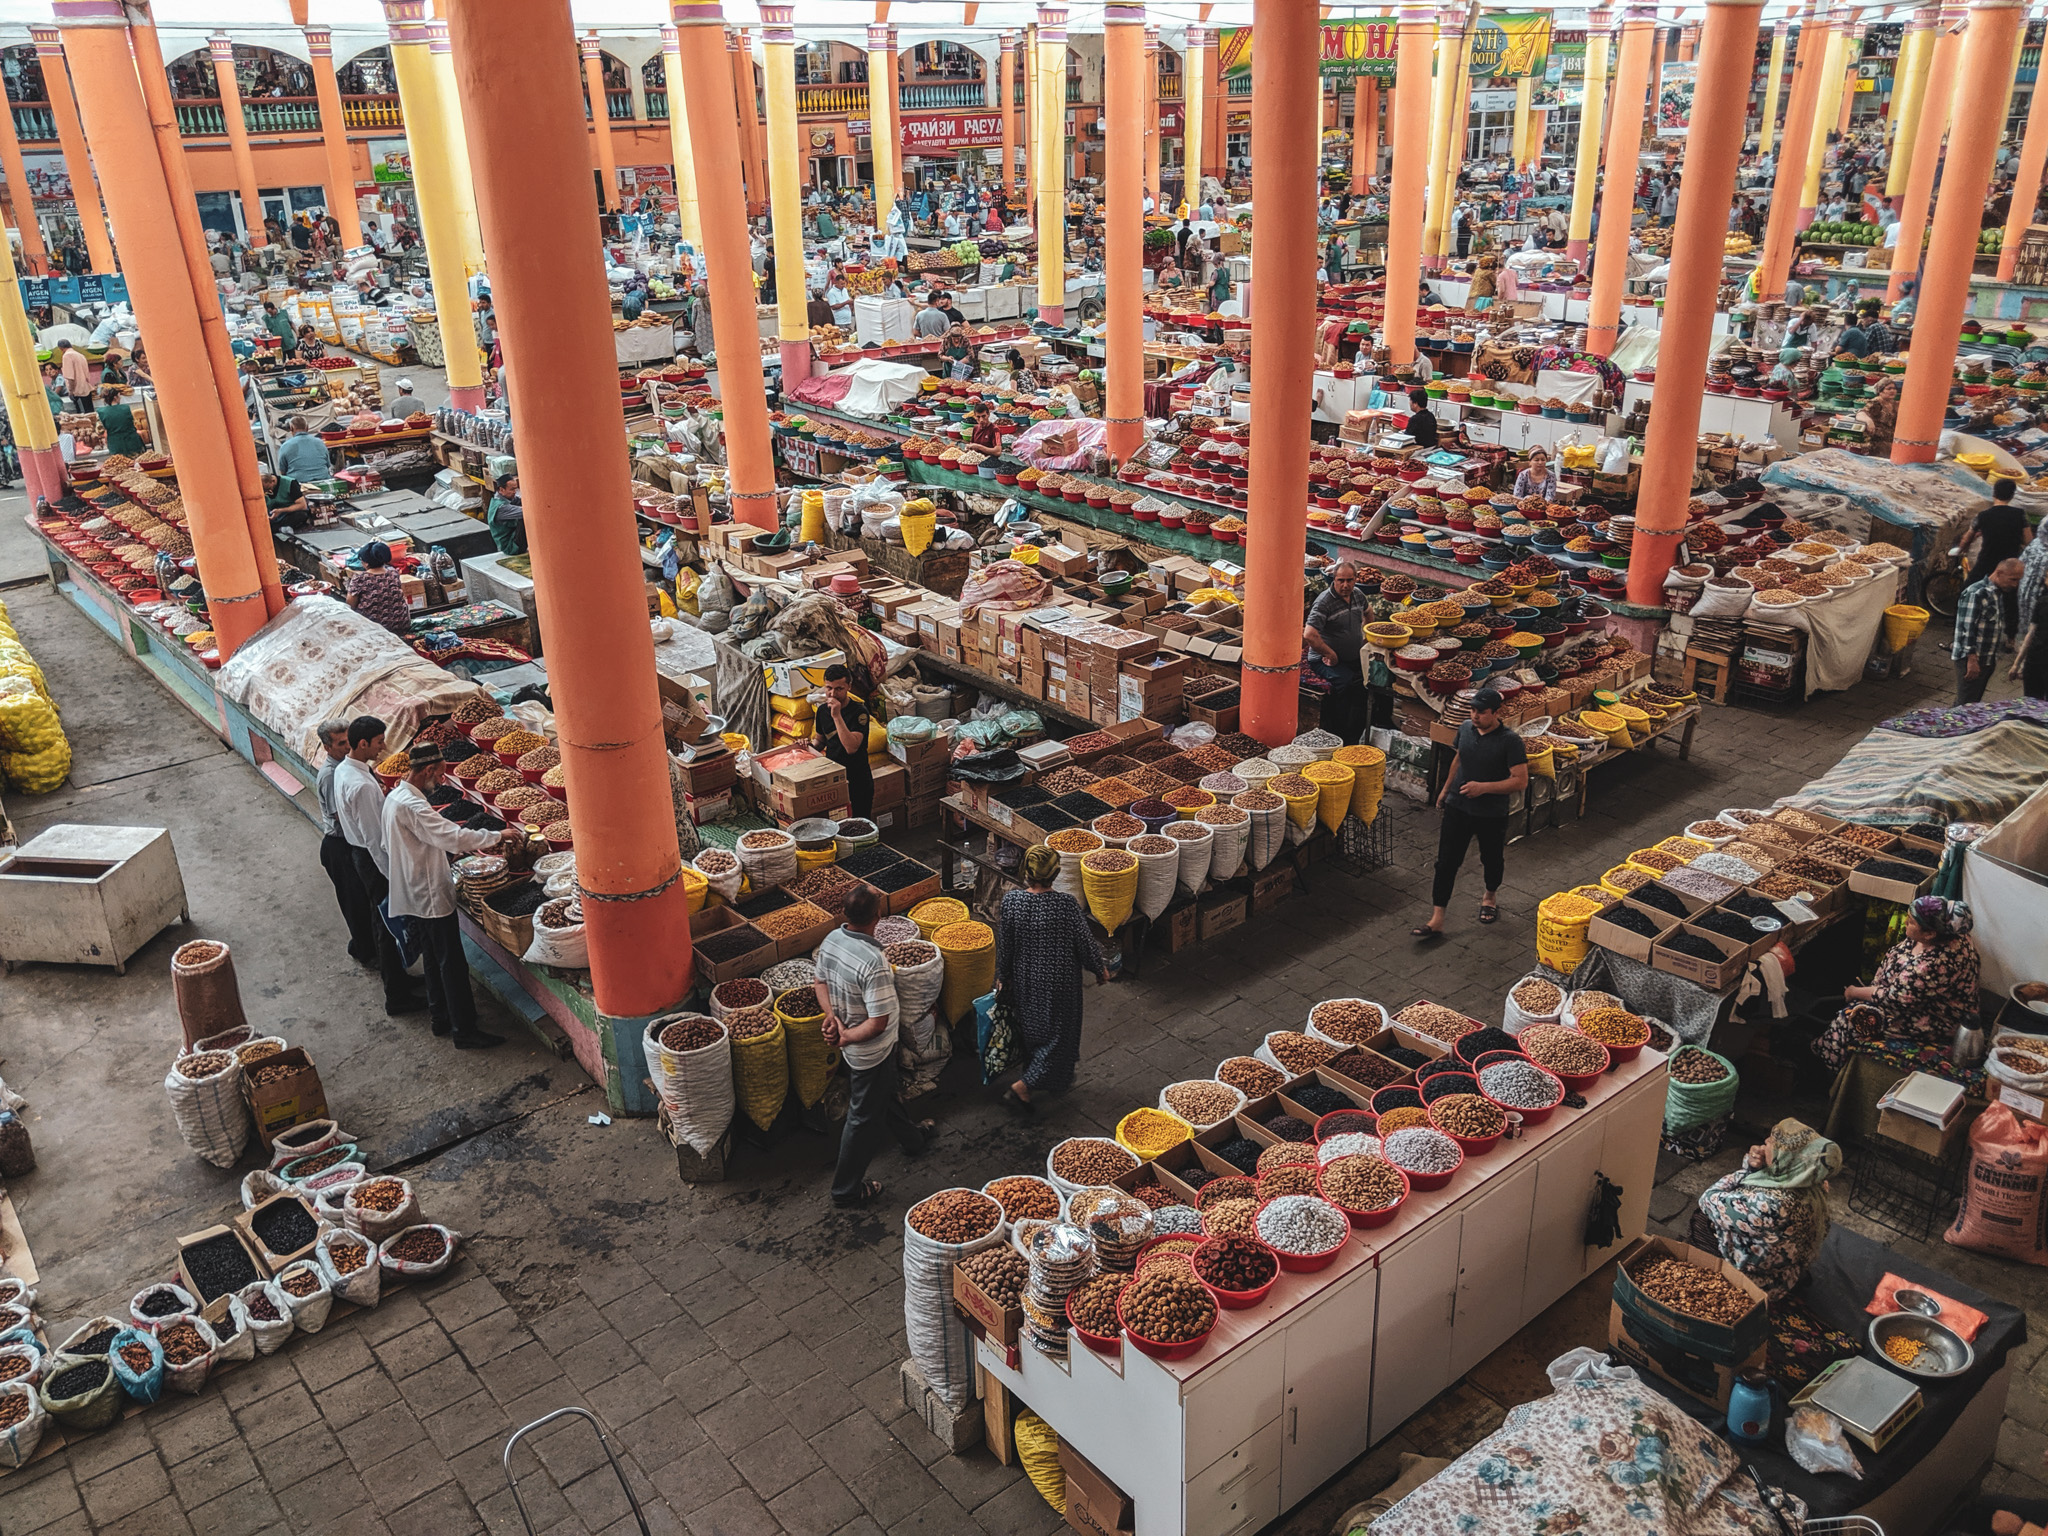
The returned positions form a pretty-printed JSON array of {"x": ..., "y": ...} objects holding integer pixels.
[
  {"x": 1970, "y": 690},
  {"x": 860, "y": 790},
  {"x": 1344, "y": 707},
  {"x": 355, "y": 906},
  {"x": 450, "y": 1003},
  {"x": 1460, "y": 827},
  {"x": 872, "y": 1112},
  {"x": 398, "y": 991}
]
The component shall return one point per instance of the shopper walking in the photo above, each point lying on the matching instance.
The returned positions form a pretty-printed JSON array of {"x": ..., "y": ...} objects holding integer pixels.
[
  {"x": 417, "y": 842},
  {"x": 279, "y": 324},
  {"x": 1492, "y": 765},
  {"x": 356, "y": 911},
  {"x": 1043, "y": 948},
  {"x": 857, "y": 990},
  {"x": 359, "y": 813},
  {"x": 1980, "y": 629},
  {"x": 76, "y": 372},
  {"x": 1999, "y": 534}
]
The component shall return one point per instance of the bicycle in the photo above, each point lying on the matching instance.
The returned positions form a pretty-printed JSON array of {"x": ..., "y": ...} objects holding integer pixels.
[{"x": 1942, "y": 585}]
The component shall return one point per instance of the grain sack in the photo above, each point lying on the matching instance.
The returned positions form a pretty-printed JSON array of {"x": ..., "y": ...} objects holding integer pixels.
[
  {"x": 268, "y": 1332},
  {"x": 1076, "y": 843},
  {"x": 1313, "y": 1033},
  {"x": 923, "y": 1044},
  {"x": 1109, "y": 881},
  {"x": 379, "y": 1207},
  {"x": 1333, "y": 782},
  {"x": 1038, "y": 1452},
  {"x": 1368, "y": 779},
  {"x": 969, "y": 950},
  {"x": 19, "y": 1442},
  {"x": 31, "y": 1370},
  {"x": 211, "y": 1116},
  {"x": 391, "y": 1253},
  {"x": 1268, "y": 828},
  {"x": 1293, "y": 757},
  {"x": 309, "y": 1312},
  {"x": 2005, "y": 1198},
  {"x": 1232, "y": 829},
  {"x": 209, "y": 997},
  {"x": 1301, "y": 802},
  {"x": 1561, "y": 922},
  {"x": 146, "y": 1385},
  {"x": 1197, "y": 848},
  {"x": 304, "y": 1140},
  {"x": 558, "y": 935},
  {"x": 89, "y": 1407},
  {"x": 186, "y": 1377},
  {"x": 940, "y": 1342},
  {"x": 760, "y": 1062},
  {"x": 230, "y": 1324},
  {"x": 349, "y": 1261},
  {"x": 935, "y": 912},
  {"x": 693, "y": 1080},
  {"x": 1158, "y": 859},
  {"x": 721, "y": 870},
  {"x": 1515, "y": 1018},
  {"x": 1687, "y": 1105},
  {"x": 769, "y": 858}
]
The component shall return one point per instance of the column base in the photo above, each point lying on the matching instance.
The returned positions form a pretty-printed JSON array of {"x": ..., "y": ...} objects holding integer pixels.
[
  {"x": 42, "y": 473},
  {"x": 1576, "y": 251},
  {"x": 1056, "y": 314},
  {"x": 1650, "y": 558},
  {"x": 1600, "y": 339},
  {"x": 796, "y": 362},
  {"x": 1272, "y": 705},
  {"x": 1432, "y": 263},
  {"x": 466, "y": 397}
]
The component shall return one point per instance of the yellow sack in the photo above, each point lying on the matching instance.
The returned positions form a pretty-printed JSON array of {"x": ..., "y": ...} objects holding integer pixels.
[
  {"x": 1368, "y": 779},
  {"x": 936, "y": 913},
  {"x": 1147, "y": 1133},
  {"x": 878, "y": 738},
  {"x": 813, "y": 529},
  {"x": 1613, "y": 727},
  {"x": 760, "y": 1069},
  {"x": 1301, "y": 809},
  {"x": 1038, "y": 1451},
  {"x": 695, "y": 889},
  {"x": 664, "y": 603},
  {"x": 811, "y": 1060},
  {"x": 1561, "y": 930},
  {"x": 807, "y": 860},
  {"x": 1902, "y": 625},
  {"x": 917, "y": 520},
  {"x": 1333, "y": 781},
  {"x": 686, "y": 592},
  {"x": 970, "y": 951},
  {"x": 795, "y": 708},
  {"x": 1542, "y": 762},
  {"x": 1111, "y": 893}
]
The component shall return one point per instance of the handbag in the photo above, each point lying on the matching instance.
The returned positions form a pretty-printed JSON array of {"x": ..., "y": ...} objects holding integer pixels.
[{"x": 995, "y": 1035}]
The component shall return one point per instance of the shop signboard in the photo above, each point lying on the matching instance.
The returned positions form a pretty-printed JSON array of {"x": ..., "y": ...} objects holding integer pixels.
[
  {"x": 35, "y": 292},
  {"x": 1674, "y": 97},
  {"x": 941, "y": 132},
  {"x": 1504, "y": 47}
]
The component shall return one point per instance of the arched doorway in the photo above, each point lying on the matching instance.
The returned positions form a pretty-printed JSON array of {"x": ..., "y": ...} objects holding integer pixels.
[
  {"x": 276, "y": 97},
  {"x": 654, "y": 88},
  {"x": 618, "y": 87}
]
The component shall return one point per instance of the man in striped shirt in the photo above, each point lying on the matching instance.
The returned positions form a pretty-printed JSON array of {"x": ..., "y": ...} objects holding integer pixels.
[{"x": 1980, "y": 629}]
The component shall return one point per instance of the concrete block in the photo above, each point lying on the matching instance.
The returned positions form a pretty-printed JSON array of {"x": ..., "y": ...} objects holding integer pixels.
[{"x": 957, "y": 1430}]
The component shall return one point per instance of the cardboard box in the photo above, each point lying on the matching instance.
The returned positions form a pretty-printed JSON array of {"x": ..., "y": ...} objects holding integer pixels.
[
  {"x": 1889, "y": 890},
  {"x": 1710, "y": 1380},
  {"x": 1182, "y": 927},
  {"x": 1715, "y": 976},
  {"x": 192, "y": 1239},
  {"x": 796, "y": 678},
  {"x": 709, "y": 773},
  {"x": 1094, "y": 1503},
  {"x": 749, "y": 962},
  {"x": 1629, "y": 945},
  {"x": 916, "y": 754},
  {"x": 1002, "y": 1324},
  {"x": 1649, "y": 1318},
  {"x": 1911, "y": 1131},
  {"x": 291, "y": 1099},
  {"x": 705, "y": 809},
  {"x": 1701, "y": 903},
  {"x": 245, "y": 1224},
  {"x": 891, "y": 782},
  {"x": 1222, "y": 913},
  {"x": 1273, "y": 885},
  {"x": 805, "y": 940},
  {"x": 1063, "y": 561}
]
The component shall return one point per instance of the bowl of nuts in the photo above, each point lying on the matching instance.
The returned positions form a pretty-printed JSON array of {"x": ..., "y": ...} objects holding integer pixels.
[
  {"x": 1095, "y": 1303},
  {"x": 1919, "y": 1346},
  {"x": 1575, "y": 1058},
  {"x": 1238, "y": 1271},
  {"x": 1166, "y": 1314},
  {"x": 1369, "y": 1190},
  {"x": 1305, "y": 1232},
  {"x": 1473, "y": 1121}
]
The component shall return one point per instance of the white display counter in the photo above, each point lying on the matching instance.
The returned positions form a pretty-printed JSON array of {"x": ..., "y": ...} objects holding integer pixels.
[
  {"x": 1283, "y": 1395},
  {"x": 1736, "y": 415}
]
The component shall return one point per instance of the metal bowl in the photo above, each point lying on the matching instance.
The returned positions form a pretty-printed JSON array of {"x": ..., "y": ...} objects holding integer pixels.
[
  {"x": 1947, "y": 1354},
  {"x": 2032, "y": 1005}
]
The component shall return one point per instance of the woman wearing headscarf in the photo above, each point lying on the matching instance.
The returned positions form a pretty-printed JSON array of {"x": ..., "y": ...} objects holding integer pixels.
[
  {"x": 1043, "y": 947},
  {"x": 1768, "y": 1217},
  {"x": 1925, "y": 987}
]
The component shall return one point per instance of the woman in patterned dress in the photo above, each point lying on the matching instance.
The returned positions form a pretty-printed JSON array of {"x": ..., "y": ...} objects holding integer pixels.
[
  {"x": 1770, "y": 1215},
  {"x": 1043, "y": 945},
  {"x": 1926, "y": 985}
]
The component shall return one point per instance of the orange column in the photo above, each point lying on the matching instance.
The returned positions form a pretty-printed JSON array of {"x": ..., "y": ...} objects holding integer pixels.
[
  {"x": 739, "y": 60},
  {"x": 519, "y": 91},
  {"x": 1781, "y": 233},
  {"x": 1632, "y": 78},
  {"x": 2026, "y": 187},
  {"x": 1688, "y": 42},
  {"x": 1033, "y": 110},
  {"x": 600, "y": 122},
  {"x": 1154, "y": 150},
  {"x": 220, "y": 356},
  {"x": 221, "y": 49},
  {"x": 1006, "y": 102},
  {"x": 1365, "y": 137},
  {"x": 892, "y": 57},
  {"x": 341, "y": 174},
  {"x": 1648, "y": 115},
  {"x": 1412, "y": 63},
  {"x": 1286, "y": 109},
  {"x": 1720, "y": 105},
  {"x": 708, "y": 80},
  {"x": 1215, "y": 131},
  {"x": 1972, "y": 150},
  {"x": 95, "y": 38},
  {"x": 1852, "y": 54},
  {"x": 1124, "y": 58},
  {"x": 1935, "y": 109},
  {"x": 20, "y": 197},
  {"x": 71, "y": 139}
]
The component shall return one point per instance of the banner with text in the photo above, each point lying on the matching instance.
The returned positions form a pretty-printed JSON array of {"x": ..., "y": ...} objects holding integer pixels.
[
  {"x": 937, "y": 133},
  {"x": 1504, "y": 47}
]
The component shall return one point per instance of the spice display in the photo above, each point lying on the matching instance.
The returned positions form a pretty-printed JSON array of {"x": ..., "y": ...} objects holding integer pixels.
[
  {"x": 691, "y": 1034},
  {"x": 716, "y": 861},
  {"x": 299, "y": 1281},
  {"x": 1297, "y": 1052},
  {"x": 1158, "y": 1196},
  {"x": 262, "y": 1308},
  {"x": 1419, "y": 1149},
  {"x": 206, "y": 1064},
  {"x": 199, "y": 952},
  {"x": 1093, "y": 1306},
  {"x": 1442, "y": 1085},
  {"x": 420, "y": 1245},
  {"x": 20, "y": 1364},
  {"x": 1091, "y": 1160},
  {"x": 1613, "y": 1026},
  {"x": 749, "y": 1023},
  {"x": 136, "y": 1357},
  {"x": 1362, "y": 1182},
  {"x": 1296, "y": 1179},
  {"x": 1065, "y": 780},
  {"x": 1117, "y": 824},
  {"x": 285, "y": 1226},
  {"x": 1347, "y": 1144},
  {"x": 1698, "y": 946},
  {"x": 1369, "y": 1069},
  {"x": 182, "y": 1343},
  {"x": 1436, "y": 1021},
  {"x": 956, "y": 1216},
  {"x": 256, "y": 1050},
  {"x": 1000, "y": 1272},
  {"x": 163, "y": 1301},
  {"x": 1345, "y": 1122},
  {"x": 1109, "y": 861},
  {"x": 1348, "y": 1019},
  {"x": 1903, "y": 1350},
  {"x": 1250, "y": 1076},
  {"x": 1231, "y": 1217},
  {"x": 83, "y": 1378},
  {"x": 1404, "y": 1118},
  {"x": 1471, "y": 1047},
  {"x": 1288, "y": 1152},
  {"x": 801, "y": 1003},
  {"x": 1290, "y": 1128},
  {"x": 1151, "y": 844},
  {"x": 1695, "y": 1066},
  {"x": 1176, "y": 1218},
  {"x": 1114, "y": 791},
  {"x": 1258, "y": 800},
  {"x": 1467, "y": 1114},
  {"x": 729, "y": 943},
  {"x": 1196, "y": 1177},
  {"x": 95, "y": 1343},
  {"x": 347, "y": 1257},
  {"x": 1073, "y": 840},
  {"x": 218, "y": 1265},
  {"x": 1201, "y": 1102},
  {"x": 1536, "y": 996},
  {"x": 1229, "y": 1186},
  {"x": 382, "y": 1195},
  {"x": 1692, "y": 1291},
  {"x": 787, "y": 922},
  {"x": 1241, "y": 1152},
  {"x": 1562, "y": 1050},
  {"x": 911, "y": 952},
  {"x": 1317, "y": 1100},
  {"x": 1518, "y": 1085},
  {"x": 1235, "y": 1263},
  {"x": 1637, "y": 922},
  {"x": 1149, "y": 1132},
  {"x": 1627, "y": 879},
  {"x": 740, "y": 992}
]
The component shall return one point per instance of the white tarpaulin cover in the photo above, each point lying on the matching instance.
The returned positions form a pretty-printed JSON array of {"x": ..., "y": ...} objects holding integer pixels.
[
  {"x": 874, "y": 385},
  {"x": 2005, "y": 880}
]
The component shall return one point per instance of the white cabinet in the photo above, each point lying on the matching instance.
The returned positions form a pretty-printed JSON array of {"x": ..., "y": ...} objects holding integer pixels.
[
  {"x": 1224, "y": 1402},
  {"x": 1323, "y": 1420},
  {"x": 1493, "y": 1252},
  {"x": 1418, "y": 1294},
  {"x": 1241, "y": 1490},
  {"x": 1565, "y": 1178}
]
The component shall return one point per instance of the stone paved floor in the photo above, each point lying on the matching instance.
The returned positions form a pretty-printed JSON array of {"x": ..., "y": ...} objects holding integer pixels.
[{"x": 741, "y": 1339}]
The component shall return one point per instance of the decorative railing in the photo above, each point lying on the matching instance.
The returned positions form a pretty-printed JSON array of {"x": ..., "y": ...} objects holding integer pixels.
[
  {"x": 1169, "y": 87},
  {"x": 618, "y": 106},
  {"x": 657, "y": 106},
  {"x": 372, "y": 112},
  {"x": 33, "y": 123},
  {"x": 922, "y": 98},
  {"x": 1238, "y": 85},
  {"x": 832, "y": 100}
]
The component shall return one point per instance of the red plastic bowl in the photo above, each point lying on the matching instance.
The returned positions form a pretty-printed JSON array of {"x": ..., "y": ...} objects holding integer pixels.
[
  {"x": 1324, "y": 1130},
  {"x": 1156, "y": 1350},
  {"x": 1530, "y": 1116},
  {"x": 1364, "y": 1220},
  {"x": 1579, "y": 1082},
  {"x": 1237, "y": 1301},
  {"x": 1308, "y": 1263},
  {"x": 1471, "y": 1146},
  {"x": 1102, "y": 1344}
]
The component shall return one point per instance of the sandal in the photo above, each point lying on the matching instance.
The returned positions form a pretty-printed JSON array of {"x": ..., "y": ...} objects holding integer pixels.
[
  {"x": 1489, "y": 912},
  {"x": 870, "y": 1192},
  {"x": 1425, "y": 933}
]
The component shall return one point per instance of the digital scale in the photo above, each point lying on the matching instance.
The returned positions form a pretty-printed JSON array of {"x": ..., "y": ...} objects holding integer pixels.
[{"x": 1873, "y": 1403}]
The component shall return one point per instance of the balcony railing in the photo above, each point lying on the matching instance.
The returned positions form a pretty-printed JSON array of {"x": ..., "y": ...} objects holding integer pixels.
[
  {"x": 618, "y": 106},
  {"x": 831, "y": 100},
  {"x": 1239, "y": 85},
  {"x": 372, "y": 112},
  {"x": 282, "y": 114},
  {"x": 657, "y": 106},
  {"x": 1073, "y": 90},
  {"x": 33, "y": 123},
  {"x": 1169, "y": 87},
  {"x": 919, "y": 98}
]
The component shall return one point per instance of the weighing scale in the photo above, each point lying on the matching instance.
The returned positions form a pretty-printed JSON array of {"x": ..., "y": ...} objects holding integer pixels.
[{"x": 1873, "y": 1403}]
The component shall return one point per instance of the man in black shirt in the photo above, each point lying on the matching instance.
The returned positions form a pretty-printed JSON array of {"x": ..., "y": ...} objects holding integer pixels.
[
  {"x": 1335, "y": 633},
  {"x": 1999, "y": 534},
  {"x": 842, "y": 727},
  {"x": 1421, "y": 424},
  {"x": 1492, "y": 765}
]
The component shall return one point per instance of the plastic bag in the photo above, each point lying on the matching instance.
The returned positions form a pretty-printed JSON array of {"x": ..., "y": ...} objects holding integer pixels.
[
  {"x": 1816, "y": 1440},
  {"x": 212, "y": 1117},
  {"x": 377, "y": 1224},
  {"x": 696, "y": 1085},
  {"x": 94, "y": 1408},
  {"x": 939, "y": 1340},
  {"x": 188, "y": 1377},
  {"x": 995, "y": 1037},
  {"x": 272, "y": 1331},
  {"x": 1038, "y": 1452},
  {"x": 1585, "y": 1367},
  {"x": 309, "y": 1312},
  {"x": 360, "y": 1286},
  {"x": 417, "y": 1269},
  {"x": 19, "y": 1442},
  {"x": 1189, "y": 737},
  {"x": 565, "y": 947}
]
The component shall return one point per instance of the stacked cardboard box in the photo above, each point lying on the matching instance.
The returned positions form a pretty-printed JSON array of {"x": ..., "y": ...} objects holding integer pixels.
[{"x": 923, "y": 779}]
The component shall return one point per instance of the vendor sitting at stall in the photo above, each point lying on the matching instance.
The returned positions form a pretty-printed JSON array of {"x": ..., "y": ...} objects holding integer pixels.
[
  {"x": 303, "y": 456},
  {"x": 1926, "y": 986},
  {"x": 378, "y": 593},
  {"x": 506, "y": 517},
  {"x": 285, "y": 502},
  {"x": 1768, "y": 1217},
  {"x": 119, "y": 420},
  {"x": 1539, "y": 479}
]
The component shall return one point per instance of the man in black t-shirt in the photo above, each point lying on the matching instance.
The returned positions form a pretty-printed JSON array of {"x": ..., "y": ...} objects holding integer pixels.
[
  {"x": 842, "y": 726},
  {"x": 1492, "y": 766},
  {"x": 1421, "y": 424},
  {"x": 1999, "y": 534}
]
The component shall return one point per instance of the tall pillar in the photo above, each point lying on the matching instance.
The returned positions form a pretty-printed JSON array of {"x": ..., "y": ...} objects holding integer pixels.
[
  {"x": 1659, "y": 40},
  {"x": 600, "y": 121},
  {"x": 1689, "y": 42},
  {"x": 714, "y": 136},
  {"x": 519, "y": 88},
  {"x": 894, "y": 62},
  {"x": 1916, "y": 48},
  {"x": 1052, "y": 168},
  {"x": 1618, "y": 197},
  {"x": 434, "y": 182},
  {"x": 1768, "y": 128},
  {"x": 740, "y": 59},
  {"x": 71, "y": 139},
  {"x": 2026, "y": 187},
  {"x": 881, "y": 126},
  {"x": 1720, "y": 105},
  {"x": 1155, "y": 151},
  {"x": 679, "y": 146},
  {"x": 1443, "y": 100},
  {"x": 1214, "y": 120},
  {"x": 1852, "y": 54},
  {"x": 1006, "y": 102},
  {"x": 785, "y": 191},
  {"x": 1459, "y": 134},
  {"x": 1286, "y": 117},
  {"x": 1936, "y": 103},
  {"x": 220, "y": 48},
  {"x": 95, "y": 38},
  {"x": 1193, "y": 73},
  {"x": 28, "y": 407},
  {"x": 1124, "y": 61},
  {"x": 1592, "y": 107},
  {"x": 1972, "y": 149},
  {"x": 1410, "y": 176},
  {"x": 1781, "y": 233},
  {"x": 20, "y": 196},
  {"x": 199, "y": 275},
  {"x": 1814, "y": 150},
  {"x": 1364, "y": 131},
  {"x": 341, "y": 175},
  {"x": 463, "y": 186},
  {"x": 1033, "y": 120},
  {"x": 1519, "y": 140}
]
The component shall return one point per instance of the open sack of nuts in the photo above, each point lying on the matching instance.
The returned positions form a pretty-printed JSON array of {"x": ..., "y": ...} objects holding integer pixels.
[{"x": 938, "y": 1232}]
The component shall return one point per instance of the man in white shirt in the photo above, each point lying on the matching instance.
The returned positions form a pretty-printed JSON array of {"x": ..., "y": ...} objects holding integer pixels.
[
  {"x": 356, "y": 910},
  {"x": 858, "y": 993},
  {"x": 359, "y": 812},
  {"x": 417, "y": 842}
]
